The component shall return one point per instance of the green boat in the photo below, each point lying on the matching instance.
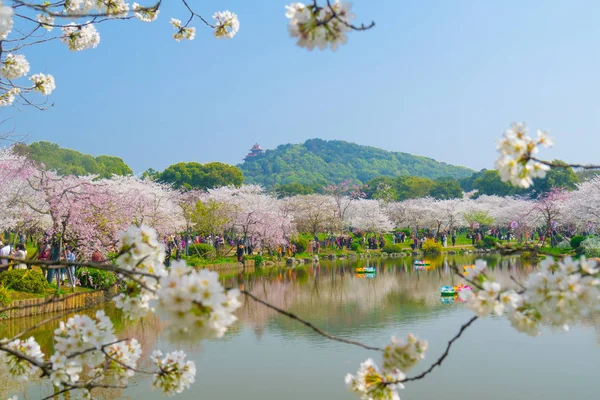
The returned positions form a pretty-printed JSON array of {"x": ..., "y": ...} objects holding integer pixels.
[{"x": 447, "y": 291}]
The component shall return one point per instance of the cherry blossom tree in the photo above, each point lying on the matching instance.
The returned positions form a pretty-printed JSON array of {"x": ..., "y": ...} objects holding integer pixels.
[
  {"x": 343, "y": 195},
  {"x": 369, "y": 216},
  {"x": 313, "y": 213}
]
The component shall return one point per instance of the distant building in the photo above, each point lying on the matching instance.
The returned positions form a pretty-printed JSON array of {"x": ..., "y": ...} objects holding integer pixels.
[{"x": 255, "y": 151}]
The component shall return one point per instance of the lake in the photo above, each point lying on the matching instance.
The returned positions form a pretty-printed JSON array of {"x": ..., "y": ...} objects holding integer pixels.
[{"x": 269, "y": 356}]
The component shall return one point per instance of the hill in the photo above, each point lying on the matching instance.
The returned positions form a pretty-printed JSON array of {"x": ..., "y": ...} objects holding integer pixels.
[
  {"x": 318, "y": 162},
  {"x": 72, "y": 162}
]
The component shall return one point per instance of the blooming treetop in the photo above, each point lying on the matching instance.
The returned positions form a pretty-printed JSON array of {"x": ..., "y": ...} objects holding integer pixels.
[{"x": 369, "y": 216}]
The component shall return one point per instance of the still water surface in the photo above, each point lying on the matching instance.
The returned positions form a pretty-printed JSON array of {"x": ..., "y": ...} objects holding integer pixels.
[{"x": 268, "y": 356}]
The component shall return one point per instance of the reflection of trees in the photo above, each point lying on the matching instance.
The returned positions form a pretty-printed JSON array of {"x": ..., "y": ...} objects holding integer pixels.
[
  {"x": 329, "y": 295},
  {"x": 335, "y": 299}
]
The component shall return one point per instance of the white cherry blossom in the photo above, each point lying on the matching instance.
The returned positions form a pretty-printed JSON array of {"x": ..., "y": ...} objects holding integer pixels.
[
  {"x": 145, "y": 14},
  {"x": 404, "y": 354},
  {"x": 80, "y": 37},
  {"x": 372, "y": 384},
  {"x": 516, "y": 148},
  {"x": 14, "y": 66},
  {"x": 187, "y": 33},
  {"x": 43, "y": 83},
  {"x": 8, "y": 97},
  {"x": 47, "y": 21},
  {"x": 175, "y": 374},
  {"x": 227, "y": 24},
  {"x": 6, "y": 20},
  {"x": 17, "y": 367}
]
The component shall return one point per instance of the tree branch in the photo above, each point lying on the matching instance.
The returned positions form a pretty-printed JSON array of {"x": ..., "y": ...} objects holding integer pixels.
[
  {"x": 308, "y": 324},
  {"x": 442, "y": 357}
]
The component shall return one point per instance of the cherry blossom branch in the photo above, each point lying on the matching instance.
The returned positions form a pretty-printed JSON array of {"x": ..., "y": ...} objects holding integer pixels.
[
  {"x": 440, "y": 360},
  {"x": 308, "y": 324},
  {"x": 512, "y": 278},
  {"x": 362, "y": 27},
  {"x": 563, "y": 165},
  {"x": 141, "y": 371},
  {"x": 471, "y": 281},
  {"x": 194, "y": 14}
]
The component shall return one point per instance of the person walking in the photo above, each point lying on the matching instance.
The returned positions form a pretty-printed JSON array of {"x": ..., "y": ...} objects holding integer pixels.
[
  {"x": 240, "y": 252},
  {"x": 5, "y": 251},
  {"x": 70, "y": 257},
  {"x": 21, "y": 254}
]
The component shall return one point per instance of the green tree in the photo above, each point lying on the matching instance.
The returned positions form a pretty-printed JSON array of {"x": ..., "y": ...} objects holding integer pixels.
[
  {"x": 113, "y": 165},
  {"x": 412, "y": 187},
  {"x": 467, "y": 183},
  {"x": 318, "y": 162},
  {"x": 561, "y": 178},
  {"x": 151, "y": 174},
  {"x": 193, "y": 175},
  {"x": 72, "y": 162},
  {"x": 446, "y": 188},
  {"x": 293, "y": 189},
  {"x": 380, "y": 187},
  {"x": 491, "y": 184},
  {"x": 210, "y": 218},
  {"x": 481, "y": 217}
]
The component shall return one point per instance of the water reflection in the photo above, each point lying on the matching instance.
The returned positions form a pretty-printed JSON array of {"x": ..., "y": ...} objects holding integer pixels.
[{"x": 370, "y": 307}]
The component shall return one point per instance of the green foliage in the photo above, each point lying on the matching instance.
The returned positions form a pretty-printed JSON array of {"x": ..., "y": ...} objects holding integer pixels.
[
  {"x": 293, "y": 189},
  {"x": 481, "y": 217},
  {"x": 488, "y": 182},
  {"x": 193, "y": 175},
  {"x": 258, "y": 260},
  {"x": 479, "y": 244},
  {"x": 446, "y": 188},
  {"x": 24, "y": 280},
  {"x": 301, "y": 245},
  {"x": 591, "y": 246},
  {"x": 5, "y": 297},
  {"x": 576, "y": 241},
  {"x": 525, "y": 255},
  {"x": 318, "y": 162},
  {"x": 355, "y": 246},
  {"x": 490, "y": 242},
  {"x": 95, "y": 278},
  {"x": 430, "y": 246},
  {"x": 556, "y": 178},
  {"x": 393, "y": 248},
  {"x": 210, "y": 217},
  {"x": 71, "y": 162},
  {"x": 203, "y": 250},
  {"x": 151, "y": 174},
  {"x": 564, "y": 244},
  {"x": 467, "y": 183},
  {"x": 411, "y": 187}
]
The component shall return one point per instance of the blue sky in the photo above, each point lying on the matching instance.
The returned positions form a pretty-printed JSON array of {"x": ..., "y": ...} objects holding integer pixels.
[{"x": 440, "y": 78}]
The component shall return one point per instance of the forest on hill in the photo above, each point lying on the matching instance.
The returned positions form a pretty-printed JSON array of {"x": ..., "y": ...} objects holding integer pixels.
[
  {"x": 318, "y": 162},
  {"x": 72, "y": 162},
  {"x": 309, "y": 167}
]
